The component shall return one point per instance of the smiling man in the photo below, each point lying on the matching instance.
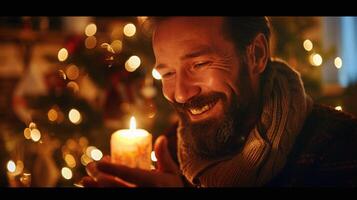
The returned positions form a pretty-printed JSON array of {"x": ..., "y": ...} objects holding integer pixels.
[{"x": 245, "y": 119}]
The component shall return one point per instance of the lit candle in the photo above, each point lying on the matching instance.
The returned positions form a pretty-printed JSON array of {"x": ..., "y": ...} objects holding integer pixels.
[{"x": 132, "y": 147}]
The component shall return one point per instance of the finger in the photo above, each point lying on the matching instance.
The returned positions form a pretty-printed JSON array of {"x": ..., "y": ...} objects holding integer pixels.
[
  {"x": 165, "y": 163},
  {"x": 92, "y": 170},
  {"x": 134, "y": 175},
  {"x": 88, "y": 181}
]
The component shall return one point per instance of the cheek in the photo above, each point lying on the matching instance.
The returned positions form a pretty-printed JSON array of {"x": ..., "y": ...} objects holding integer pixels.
[
  {"x": 221, "y": 82},
  {"x": 168, "y": 91}
]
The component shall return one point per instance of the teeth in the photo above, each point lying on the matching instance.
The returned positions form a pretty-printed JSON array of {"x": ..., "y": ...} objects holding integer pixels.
[{"x": 197, "y": 111}]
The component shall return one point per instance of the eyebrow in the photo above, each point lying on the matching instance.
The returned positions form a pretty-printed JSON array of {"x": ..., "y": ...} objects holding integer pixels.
[
  {"x": 198, "y": 52},
  {"x": 204, "y": 50}
]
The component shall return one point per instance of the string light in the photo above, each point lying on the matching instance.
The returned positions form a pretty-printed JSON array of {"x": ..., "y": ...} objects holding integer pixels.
[
  {"x": 74, "y": 116},
  {"x": 132, "y": 63},
  {"x": 66, "y": 173},
  {"x": 338, "y": 62},
  {"x": 11, "y": 167},
  {"x": 339, "y": 108},
  {"x": 108, "y": 47},
  {"x": 70, "y": 160},
  {"x": 52, "y": 115},
  {"x": 35, "y": 135},
  {"x": 89, "y": 150},
  {"x": 32, "y": 125},
  {"x": 96, "y": 154},
  {"x": 27, "y": 133},
  {"x": 156, "y": 74},
  {"x": 62, "y": 74},
  {"x": 62, "y": 54},
  {"x": 90, "y": 30},
  {"x": 308, "y": 45},
  {"x": 316, "y": 59},
  {"x": 129, "y": 30},
  {"x": 85, "y": 159}
]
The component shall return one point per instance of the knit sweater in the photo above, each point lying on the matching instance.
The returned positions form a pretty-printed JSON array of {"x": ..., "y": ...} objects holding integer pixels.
[{"x": 324, "y": 154}]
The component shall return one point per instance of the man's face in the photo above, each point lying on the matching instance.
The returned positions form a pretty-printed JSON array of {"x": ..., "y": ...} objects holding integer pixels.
[{"x": 204, "y": 79}]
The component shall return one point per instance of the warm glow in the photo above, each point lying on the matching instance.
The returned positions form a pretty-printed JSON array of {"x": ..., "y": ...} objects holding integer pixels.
[
  {"x": 70, "y": 160},
  {"x": 108, "y": 47},
  {"x": 62, "y": 74},
  {"x": 308, "y": 45},
  {"x": 132, "y": 123},
  {"x": 62, "y": 54},
  {"x": 72, "y": 72},
  {"x": 32, "y": 125},
  {"x": 153, "y": 156},
  {"x": 116, "y": 46},
  {"x": 66, "y": 173},
  {"x": 132, "y": 63},
  {"x": 35, "y": 135},
  {"x": 129, "y": 30},
  {"x": 85, "y": 160},
  {"x": 72, "y": 85},
  {"x": 339, "y": 108},
  {"x": 11, "y": 167},
  {"x": 338, "y": 62},
  {"x": 90, "y": 42},
  {"x": 156, "y": 74},
  {"x": 90, "y": 30},
  {"x": 89, "y": 150},
  {"x": 96, "y": 154},
  {"x": 74, "y": 116},
  {"x": 52, "y": 115},
  {"x": 27, "y": 133},
  {"x": 316, "y": 59}
]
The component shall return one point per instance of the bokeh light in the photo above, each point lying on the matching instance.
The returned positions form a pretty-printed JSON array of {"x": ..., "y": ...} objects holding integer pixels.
[
  {"x": 129, "y": 30},
  {"x": 62, "y": 54},
  {"x": 308, "y": 45},
  {"x": 74, "y": 116},
  {"x": 91, "y": 30},
  {"x": 66, "y": 173}
]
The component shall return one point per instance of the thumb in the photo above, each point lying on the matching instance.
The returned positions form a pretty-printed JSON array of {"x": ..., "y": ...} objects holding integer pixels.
[{"x": 165, "y": 163}]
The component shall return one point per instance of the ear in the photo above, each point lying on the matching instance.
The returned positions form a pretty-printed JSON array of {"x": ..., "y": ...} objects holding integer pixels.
[{"x": 258, "y": 54}]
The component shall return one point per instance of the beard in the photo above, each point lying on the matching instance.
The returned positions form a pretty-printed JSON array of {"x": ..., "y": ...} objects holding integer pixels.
[{"x": 218, "y": 136}]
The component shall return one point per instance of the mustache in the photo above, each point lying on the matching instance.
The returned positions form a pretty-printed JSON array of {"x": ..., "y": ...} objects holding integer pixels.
[{"x": 199, "y": 101}]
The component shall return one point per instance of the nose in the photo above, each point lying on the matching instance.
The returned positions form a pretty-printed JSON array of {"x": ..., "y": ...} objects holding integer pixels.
[{"x": 185, "y": 88}]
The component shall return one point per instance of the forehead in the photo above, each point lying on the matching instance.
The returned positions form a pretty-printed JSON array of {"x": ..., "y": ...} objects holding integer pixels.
[{"x": 180, "y": 33}]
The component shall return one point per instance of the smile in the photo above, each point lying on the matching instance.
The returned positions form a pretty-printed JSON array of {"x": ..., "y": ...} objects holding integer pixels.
[{"x": 200, "y": 110}]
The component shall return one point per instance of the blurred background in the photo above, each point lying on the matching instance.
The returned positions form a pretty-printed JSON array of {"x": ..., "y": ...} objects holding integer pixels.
[{"x": 68, "y": 83}]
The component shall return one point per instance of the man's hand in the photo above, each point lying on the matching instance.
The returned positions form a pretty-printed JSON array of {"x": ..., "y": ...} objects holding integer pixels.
[{"x": 107, "y": 174}]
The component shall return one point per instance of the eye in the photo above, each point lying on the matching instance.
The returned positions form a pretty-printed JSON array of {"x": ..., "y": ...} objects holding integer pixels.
[
  {"x": 168, "y": 75},
  {"x": 201, "y": 64}
]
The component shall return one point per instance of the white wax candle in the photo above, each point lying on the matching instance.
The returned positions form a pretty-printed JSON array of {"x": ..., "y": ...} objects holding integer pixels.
[{"x": 132, "y": 147}]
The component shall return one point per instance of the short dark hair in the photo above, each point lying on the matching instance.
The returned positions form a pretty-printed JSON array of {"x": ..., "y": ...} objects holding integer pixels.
[{"x": 242, "y": 30}]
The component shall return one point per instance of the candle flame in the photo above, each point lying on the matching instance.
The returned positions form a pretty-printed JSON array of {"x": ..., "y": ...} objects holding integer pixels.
[{"x": 132, "y": 123}]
